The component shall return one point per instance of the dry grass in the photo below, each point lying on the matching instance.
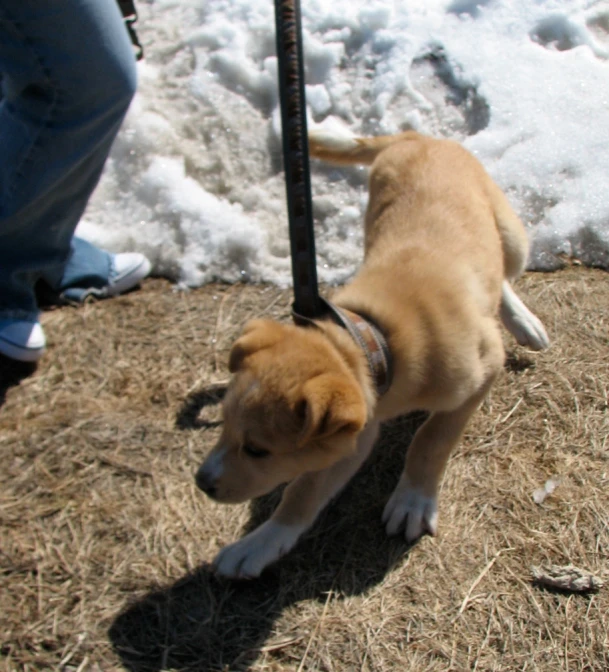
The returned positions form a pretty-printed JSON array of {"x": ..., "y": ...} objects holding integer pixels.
[{"x": 104, "y": 537}]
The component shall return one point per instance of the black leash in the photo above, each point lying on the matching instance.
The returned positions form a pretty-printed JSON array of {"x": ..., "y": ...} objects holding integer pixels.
[
  {"x": 296, "y": 158},
  {"x": 308, "y": 305},
  {"x": 129, "y": 13}
]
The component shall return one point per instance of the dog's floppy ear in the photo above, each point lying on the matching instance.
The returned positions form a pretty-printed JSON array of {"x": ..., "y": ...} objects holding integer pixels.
[
  {"x": 329, "y": 405},
  {"x": 256, "y": 335}
]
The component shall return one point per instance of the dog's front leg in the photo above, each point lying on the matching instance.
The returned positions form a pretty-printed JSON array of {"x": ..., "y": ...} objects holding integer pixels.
[
  {"x": 302, "y": 501},
  {"x": 413, "y": 506}
]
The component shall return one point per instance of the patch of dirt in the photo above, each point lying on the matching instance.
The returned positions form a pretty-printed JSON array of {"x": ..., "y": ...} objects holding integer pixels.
[{"x": 105, "y": 540}]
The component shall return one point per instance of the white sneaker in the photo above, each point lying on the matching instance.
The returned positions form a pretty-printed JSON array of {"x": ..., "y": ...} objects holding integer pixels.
[
  {"x": 22, "y": 340},
  {"x": 128, "y": 269}
]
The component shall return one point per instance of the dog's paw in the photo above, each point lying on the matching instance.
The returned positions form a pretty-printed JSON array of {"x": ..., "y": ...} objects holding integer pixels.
[
  {"x": 246, "y": 558},
  {"x": 524, "y": 325},
  {"x": 530, "y": 332},
  {"x": 412, "y": 512}
]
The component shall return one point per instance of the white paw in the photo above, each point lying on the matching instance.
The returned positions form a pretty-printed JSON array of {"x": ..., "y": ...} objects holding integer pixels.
[
  {"x": 524, "y": 325},
  {"x": 530, "y": 332},
  {"x": 410, "y": 510},
  {"x": 246, "y": 558}
]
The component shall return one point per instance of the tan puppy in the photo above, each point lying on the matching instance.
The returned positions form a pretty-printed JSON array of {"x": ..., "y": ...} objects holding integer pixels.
[{"x": 441, "y": 245}]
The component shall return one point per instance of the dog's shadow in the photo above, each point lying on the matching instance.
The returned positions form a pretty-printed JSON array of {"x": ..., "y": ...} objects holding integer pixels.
[
  {"x": 202, "y": 623},
  {"x": 190, "y": 415}
]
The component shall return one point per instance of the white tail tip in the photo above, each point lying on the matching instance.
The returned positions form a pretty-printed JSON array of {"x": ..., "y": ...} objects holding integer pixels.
[{"x": 333, "y": 136}]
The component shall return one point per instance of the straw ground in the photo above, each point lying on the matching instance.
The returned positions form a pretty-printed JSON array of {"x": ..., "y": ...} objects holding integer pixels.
[{"x": 105, "y": 540}]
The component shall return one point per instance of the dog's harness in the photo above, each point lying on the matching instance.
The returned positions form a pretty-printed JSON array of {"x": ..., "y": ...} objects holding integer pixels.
[{"x": 366, "y": 334}]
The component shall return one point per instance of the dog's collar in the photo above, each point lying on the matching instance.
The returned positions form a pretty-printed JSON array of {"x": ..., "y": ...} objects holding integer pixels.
[{"x": 366, "y": 334}]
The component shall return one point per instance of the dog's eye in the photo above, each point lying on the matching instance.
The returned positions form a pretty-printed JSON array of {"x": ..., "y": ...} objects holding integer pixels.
[{"x": 252, "y": 451}]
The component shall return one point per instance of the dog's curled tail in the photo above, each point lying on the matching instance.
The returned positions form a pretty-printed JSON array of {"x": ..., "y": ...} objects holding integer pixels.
[{"x": 342, "y": 147}]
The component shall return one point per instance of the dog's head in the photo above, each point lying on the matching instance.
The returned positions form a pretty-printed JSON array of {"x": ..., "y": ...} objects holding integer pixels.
[{"x": 292, "y": 406}]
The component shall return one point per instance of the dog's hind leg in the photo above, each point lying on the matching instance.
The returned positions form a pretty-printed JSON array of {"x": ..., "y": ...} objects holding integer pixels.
[
  {"x": 526, "y": 327},
  {"x": 514, "y": 241}
]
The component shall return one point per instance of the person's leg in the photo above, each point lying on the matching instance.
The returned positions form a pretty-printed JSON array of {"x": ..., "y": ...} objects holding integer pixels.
[{"x": 68, "y": 76}]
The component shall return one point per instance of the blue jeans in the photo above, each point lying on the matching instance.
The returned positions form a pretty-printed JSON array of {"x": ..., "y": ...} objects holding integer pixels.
[{"x": 67, "y": 76}]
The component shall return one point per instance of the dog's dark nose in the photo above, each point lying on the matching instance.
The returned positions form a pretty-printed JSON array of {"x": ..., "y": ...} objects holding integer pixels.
[{"x": 205, "y": 482}]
